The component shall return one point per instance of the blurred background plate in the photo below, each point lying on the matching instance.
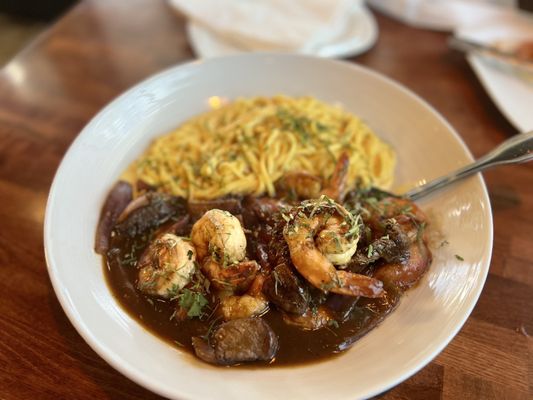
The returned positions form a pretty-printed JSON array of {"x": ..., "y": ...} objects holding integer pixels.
[
  {"x": 361, "y": 34},
  {"x": 510, "y": 88}
]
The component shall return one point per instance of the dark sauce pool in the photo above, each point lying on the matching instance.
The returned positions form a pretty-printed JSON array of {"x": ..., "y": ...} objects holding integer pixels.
[{"x": 296, "y": 346}]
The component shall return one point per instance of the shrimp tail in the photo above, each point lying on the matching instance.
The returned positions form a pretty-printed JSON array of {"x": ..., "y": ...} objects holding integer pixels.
[
  {"x": 320, "y": 273},
  {"x": 358, "y": 285},
  {"x": 236, "y": 277},
  {"x": 336, "y": 185}
]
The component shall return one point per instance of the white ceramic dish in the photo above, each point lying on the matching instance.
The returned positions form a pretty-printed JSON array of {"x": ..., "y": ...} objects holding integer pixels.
[
  {"x": 361, "y": 34},
  {"x": 428, "y": 316}
]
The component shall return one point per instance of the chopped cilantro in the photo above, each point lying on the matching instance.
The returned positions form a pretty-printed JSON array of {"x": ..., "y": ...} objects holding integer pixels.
[
  {"x": 420, "y": 231},
  {"x": 192, "y": 302},
  {"x": 333, "y": 323},
  {"x": 370, "y": 251},
  {"x": 173, "y": 291}
]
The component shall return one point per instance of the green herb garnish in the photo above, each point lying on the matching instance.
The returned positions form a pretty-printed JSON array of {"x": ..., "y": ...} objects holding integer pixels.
[
  {"x": 192, "y": 302},
  {"x": 370, "y": 251},
  {"x": 333, "y": 323}
]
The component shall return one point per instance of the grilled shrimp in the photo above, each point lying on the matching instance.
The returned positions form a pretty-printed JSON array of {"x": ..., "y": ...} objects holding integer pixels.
[
  {"x": 245, "y": 306},
  {"x": 221, "y": 247},
  {"x": 320, "y": 234},
  {"x": 235, "y": 277},
  {"x": 219, "y": 234},
  {"x": 299, "y": 185},
  {"x": 311, "y": 320},
  {"x": 303, "y": 185},
  {"x": 335, "y": 187},
  {"x": 166, "y": 266},
  {"x": 405, "y": 272}
]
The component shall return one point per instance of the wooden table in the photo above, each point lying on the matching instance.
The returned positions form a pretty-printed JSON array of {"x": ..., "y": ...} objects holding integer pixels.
[{"x": 100, "y": 48}]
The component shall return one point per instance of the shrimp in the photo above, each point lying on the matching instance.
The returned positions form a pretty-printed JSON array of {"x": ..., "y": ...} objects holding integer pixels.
[
  {"x": 245, "y": 306},
  {"x": 320, "y": 234},
  {"x": 234, "y": 277},
  {"x": 302, "y": 185},
  {"x": 166, "y": 266},
  {"x": 411, "y": 221},
  {"x": 406, "y": 274},
  {"x": 219, "y": 234},
  {"x": 311, "y": 320},
  {"x": 335, "y": 187},
  {"x": 221, "y": 247},
  {"x": 299, "y": 185}
]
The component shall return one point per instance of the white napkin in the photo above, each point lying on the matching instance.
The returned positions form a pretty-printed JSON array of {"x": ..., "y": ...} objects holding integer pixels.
[
  {"x": 444, "y": 15},
  {"x": 507, "y": 86},
  {"x": 303, "y": 26}
]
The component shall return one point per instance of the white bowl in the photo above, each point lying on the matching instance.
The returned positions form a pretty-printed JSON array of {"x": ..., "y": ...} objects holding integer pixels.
[{"x": 428, "y": 316}]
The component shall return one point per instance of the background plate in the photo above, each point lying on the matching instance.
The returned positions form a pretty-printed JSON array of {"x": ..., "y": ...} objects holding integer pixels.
[
  {"x": 511, "y": 91},
  {"x": 361, "y": 34}
]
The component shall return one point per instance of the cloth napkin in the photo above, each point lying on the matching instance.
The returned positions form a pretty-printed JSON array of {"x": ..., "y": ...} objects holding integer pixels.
[
  {"x": 303, "y": 26},
  {"x": 445, "y": 15}
]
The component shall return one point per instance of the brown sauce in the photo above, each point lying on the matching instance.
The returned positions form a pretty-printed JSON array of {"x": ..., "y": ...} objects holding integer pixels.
[{"x": 296, "y": 346}]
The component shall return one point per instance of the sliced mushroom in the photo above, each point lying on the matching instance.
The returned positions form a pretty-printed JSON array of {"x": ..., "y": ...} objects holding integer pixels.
[
  {"x": 117, "y": 200},
  {"x": 238, "y": 341},
  {"x": 197, "y": 208},
  {"x": 149, "y": 211},
  {"x": 286, "y": 291}
]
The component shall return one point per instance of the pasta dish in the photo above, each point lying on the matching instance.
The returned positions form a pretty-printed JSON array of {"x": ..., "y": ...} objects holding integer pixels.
[{"x": 260, "y": 232}]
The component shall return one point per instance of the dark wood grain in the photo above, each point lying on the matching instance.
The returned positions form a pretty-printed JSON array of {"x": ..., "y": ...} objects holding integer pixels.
[{"x": 98, "y": 49}]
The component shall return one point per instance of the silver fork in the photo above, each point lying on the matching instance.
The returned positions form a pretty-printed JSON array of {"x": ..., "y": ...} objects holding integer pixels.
[{"x": 518, "y": 149}]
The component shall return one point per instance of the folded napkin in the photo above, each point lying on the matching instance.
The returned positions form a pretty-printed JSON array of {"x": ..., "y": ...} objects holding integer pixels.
[
  {"x": 303, "y": 26},
  {"x": 444, "y": 15},
  {"x": 508, "y": 84}
]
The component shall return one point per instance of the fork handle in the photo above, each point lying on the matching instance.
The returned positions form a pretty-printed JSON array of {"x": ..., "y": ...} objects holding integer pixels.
[{"x": 517, "y": 149}]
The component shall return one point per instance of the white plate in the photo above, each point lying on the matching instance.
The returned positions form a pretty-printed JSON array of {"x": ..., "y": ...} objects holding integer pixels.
[
  {"x": 361, "y": 34},
  {"x": 511, "y": 93},
  {"x": 427, "y": 318}
]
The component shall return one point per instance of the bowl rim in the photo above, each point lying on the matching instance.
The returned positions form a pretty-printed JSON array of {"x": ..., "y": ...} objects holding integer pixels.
[{"x": 129, "y": 370}]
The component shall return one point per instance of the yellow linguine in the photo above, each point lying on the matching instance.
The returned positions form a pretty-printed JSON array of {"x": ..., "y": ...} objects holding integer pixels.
[{"x": 245, "y": 146}]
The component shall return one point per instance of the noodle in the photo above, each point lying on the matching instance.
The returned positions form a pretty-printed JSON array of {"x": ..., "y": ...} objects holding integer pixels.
[{"x": 245, "y": 146}]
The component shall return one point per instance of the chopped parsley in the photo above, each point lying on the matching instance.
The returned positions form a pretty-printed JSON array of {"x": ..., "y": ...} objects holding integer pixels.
[
  {"x": 192, "y": 302},
  {"x": 420, "y": 231},
  {"x": 333, "y": 323},
  {"x": 173, "y": 291},
  {"x": 459, "y": 257}
]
